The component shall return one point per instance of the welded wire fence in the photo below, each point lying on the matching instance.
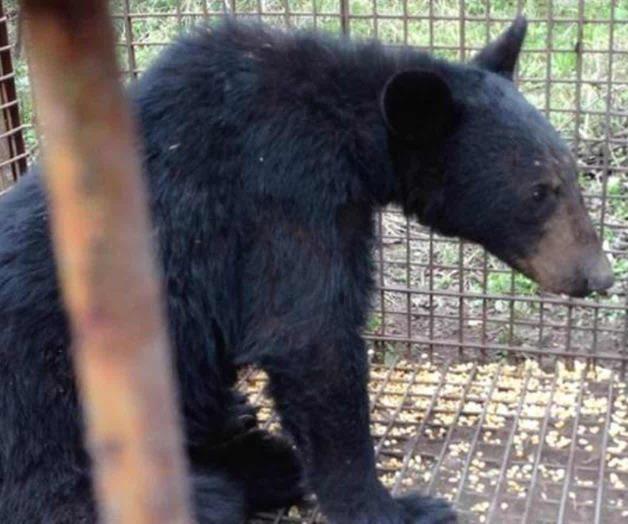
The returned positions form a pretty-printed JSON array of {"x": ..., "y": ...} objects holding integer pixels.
[
  {"x": 505, "y": 443},
  {"x": 437, "y": 294}
]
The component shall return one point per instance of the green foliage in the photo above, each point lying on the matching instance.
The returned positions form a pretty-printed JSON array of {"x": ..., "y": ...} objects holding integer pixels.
[
  {"x": 374, "y": 323},
  {"x": 621, "y": 268},
  {"x": 501, "y": 284}
]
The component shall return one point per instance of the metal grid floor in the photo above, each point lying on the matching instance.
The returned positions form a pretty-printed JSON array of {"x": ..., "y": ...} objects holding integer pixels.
[{"x": 503, "y": 442}]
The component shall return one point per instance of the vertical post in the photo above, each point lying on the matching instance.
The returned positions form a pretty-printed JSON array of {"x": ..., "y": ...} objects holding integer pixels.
[
  {"x": 104, "y": 255},
  {"x": 344, "y": 17},
  {"x": 130, "y": 49}
]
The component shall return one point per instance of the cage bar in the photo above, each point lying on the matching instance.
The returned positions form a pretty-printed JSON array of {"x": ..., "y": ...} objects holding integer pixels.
[{"x": 100, "y": 228}]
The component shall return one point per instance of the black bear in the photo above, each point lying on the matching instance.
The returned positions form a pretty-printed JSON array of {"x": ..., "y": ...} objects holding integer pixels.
[{"x": 266, "y": 154}]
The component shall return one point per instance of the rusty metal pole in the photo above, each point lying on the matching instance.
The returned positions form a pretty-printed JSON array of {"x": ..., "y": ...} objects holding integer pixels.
[{"x": 105, "y": 264}]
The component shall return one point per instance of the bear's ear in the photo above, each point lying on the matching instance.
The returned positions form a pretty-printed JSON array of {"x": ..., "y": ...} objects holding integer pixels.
[
  {"x": 500, "y": 56},
  {"x": 417, "y": 106}
]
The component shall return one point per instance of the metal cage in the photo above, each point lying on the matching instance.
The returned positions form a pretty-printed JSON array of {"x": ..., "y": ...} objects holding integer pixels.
[{"x": 510, "y": 402}]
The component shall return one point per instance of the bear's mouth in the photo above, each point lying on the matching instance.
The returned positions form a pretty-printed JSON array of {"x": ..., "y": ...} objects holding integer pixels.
[
  {"x": 577, "y": 277},
  {"x": 551, "y": 285}
]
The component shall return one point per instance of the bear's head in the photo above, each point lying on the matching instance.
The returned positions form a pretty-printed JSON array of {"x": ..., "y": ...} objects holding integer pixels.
[{"x": 474, "y": 159}]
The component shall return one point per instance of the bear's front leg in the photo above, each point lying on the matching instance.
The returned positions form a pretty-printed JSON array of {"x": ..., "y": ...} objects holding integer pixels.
[{"x": 320, "y": 389}]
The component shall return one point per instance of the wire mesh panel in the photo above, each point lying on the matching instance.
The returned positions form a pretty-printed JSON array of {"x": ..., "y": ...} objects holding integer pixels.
[
  {"x": 447, "y": 294},
  {"x": 13, "y": 155},
  {"x": 434, "y": 293},
  {"x": 505, "y": 443},
  {"x": 438, "y": 293}
]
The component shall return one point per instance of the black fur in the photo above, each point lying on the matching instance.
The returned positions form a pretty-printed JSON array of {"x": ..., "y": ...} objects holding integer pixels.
[
  {"x": 218, "y": 499},
  {"x": 266, "y": 155}
]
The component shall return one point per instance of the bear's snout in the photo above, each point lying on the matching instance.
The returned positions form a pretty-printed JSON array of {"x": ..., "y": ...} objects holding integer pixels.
[
  {"x": 568, "y": 257},
  {"x": 598, "y": 273},
  {"x": 564, "y": 273}
]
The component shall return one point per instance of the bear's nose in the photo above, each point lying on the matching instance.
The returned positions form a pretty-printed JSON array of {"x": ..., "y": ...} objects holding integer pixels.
[{"x": 599, "y": 273}]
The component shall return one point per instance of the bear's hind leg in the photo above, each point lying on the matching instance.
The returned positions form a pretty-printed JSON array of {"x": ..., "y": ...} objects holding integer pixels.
[
  {"x": 217, "y": 498},
  {"x": 50, "y": 496},
  {"x": 270, "y": 468},
  {"x": 266, "y": 465},
  {"x": 63, "y": 495}
]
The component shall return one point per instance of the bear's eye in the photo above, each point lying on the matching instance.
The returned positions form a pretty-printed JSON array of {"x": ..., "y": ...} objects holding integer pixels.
[{"x": 540, "y": 193}]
